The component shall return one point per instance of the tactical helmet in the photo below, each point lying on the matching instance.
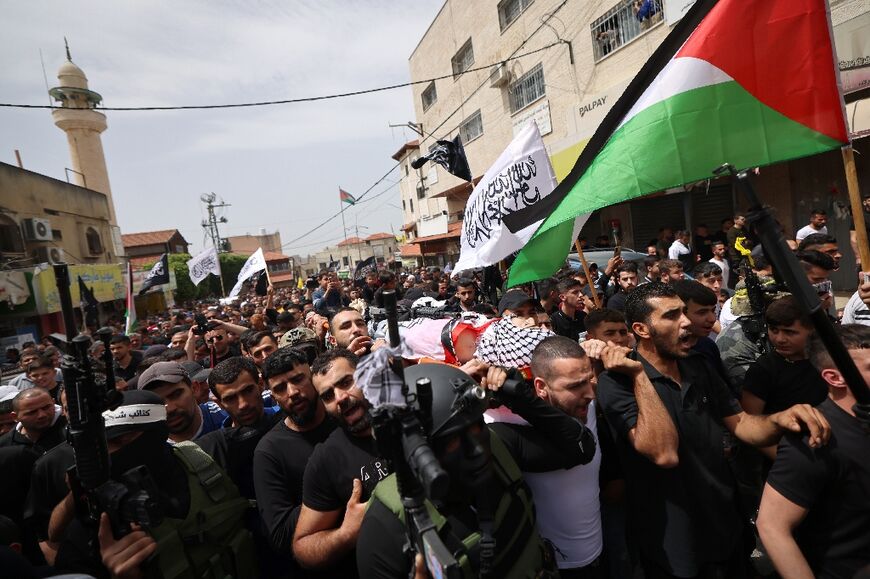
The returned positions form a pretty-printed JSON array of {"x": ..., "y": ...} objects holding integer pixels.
[
  {"x": 295, "y": 336},
  {"x": 457, "y": 400}
]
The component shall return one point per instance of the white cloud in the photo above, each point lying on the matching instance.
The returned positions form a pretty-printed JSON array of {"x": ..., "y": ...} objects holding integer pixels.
[{"x": 179, "y": 53}]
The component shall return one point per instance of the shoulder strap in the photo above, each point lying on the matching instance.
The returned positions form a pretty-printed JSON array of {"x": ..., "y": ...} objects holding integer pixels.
[
  {"x": 201, "y": 465},
  {"x": 387, "y": 493},
  {"x": 506, "y": 466}
]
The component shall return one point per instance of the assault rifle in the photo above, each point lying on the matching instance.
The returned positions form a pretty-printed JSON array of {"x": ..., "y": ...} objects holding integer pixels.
[
  {"x": 88, "y": 396},
  {"x": 787, "y": 266},
  {"x": 399, "y": 433},
  {"x": 754, "y": 326}
]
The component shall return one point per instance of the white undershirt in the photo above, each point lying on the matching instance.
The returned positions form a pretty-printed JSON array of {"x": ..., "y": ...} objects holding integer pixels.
[{"x": 566, "y": 501}]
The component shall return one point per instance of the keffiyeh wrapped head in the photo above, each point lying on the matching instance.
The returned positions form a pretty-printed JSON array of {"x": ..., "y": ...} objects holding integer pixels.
[
  {"x": 508, "y": 345},
  {"x": 451, "y": 341}
]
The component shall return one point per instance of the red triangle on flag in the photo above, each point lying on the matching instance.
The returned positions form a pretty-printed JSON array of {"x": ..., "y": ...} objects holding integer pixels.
[
  {"x": 346, "y": 197},
  {"x": 794, "y": 38}
]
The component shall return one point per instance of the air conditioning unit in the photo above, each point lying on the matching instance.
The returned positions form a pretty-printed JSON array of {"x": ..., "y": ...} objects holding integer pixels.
[
  {"x": 499, "y": 75},
  {"x": 50, "y": 254},
  {"x": 37, "y": 230}
]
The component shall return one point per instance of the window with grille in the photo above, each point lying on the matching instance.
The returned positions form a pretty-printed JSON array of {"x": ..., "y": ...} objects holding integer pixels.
[
  {"x": 622, "y": 24},
  {"x": 429, "y": 96},
  {"x": 463, "y": 59},
  {"x": 471, "y": 128},
  {"x": 510, "y": 10},
  {"x": 527, "y": 89}
]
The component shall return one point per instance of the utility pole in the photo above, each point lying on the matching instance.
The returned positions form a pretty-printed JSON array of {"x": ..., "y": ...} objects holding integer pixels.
[{"x": 211, "y": 226}]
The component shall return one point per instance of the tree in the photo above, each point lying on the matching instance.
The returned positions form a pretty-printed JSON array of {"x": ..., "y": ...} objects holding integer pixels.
[{"x": 210, "y": 287}]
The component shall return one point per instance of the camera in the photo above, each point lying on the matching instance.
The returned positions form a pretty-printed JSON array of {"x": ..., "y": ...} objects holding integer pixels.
[
  {"x": 311, "y": 283},
  {"x": 201, "y": 325},
  {"x": 130, "y": 501}
]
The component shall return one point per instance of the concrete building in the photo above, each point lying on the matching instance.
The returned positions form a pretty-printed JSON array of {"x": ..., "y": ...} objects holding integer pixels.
[
  {"x": 148, "y": 246},
  {"x": 249, "y": 243},
  {"x": 345, "y": 255},
  {"x": 43, "y": 220},
  {"x": 83, "y": 125},
  {"x": 563, "y": 65}
]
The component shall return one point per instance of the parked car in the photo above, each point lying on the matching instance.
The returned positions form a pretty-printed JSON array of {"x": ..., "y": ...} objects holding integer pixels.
[{"x": 600, "y": 255}]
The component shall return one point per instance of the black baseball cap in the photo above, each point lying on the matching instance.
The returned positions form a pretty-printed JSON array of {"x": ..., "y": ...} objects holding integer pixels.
[{"x": 513, "y": 299}]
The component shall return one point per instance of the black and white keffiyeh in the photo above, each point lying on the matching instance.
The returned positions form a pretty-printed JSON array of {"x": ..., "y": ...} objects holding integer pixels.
[
  {"x": 374, "y": 376},
  {"x": 508, "y": 345}
]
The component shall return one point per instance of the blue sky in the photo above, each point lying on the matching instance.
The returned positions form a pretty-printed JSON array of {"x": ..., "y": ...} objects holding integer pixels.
[{"x": 279, "y": 166}]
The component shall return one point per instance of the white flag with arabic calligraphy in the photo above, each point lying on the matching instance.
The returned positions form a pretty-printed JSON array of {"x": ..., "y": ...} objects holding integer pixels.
[
  {"x": 521, "y": 176},
  {"x": 204, "y": 264}
]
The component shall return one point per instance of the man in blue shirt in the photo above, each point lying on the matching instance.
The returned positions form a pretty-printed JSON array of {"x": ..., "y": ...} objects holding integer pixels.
[{"x": 186, "y": 419}]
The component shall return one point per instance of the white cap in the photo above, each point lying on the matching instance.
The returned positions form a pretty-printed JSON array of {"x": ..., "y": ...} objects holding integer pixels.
[{"x": 8, "y": 393}]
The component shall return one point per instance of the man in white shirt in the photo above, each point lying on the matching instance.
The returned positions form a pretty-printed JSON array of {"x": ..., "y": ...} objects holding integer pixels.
[
  {"x": 680, "y": 250},
  {"x": 818, "y": 221},
  {"x": 719, "y": 259},
  {"x": 567, "y": 501}
]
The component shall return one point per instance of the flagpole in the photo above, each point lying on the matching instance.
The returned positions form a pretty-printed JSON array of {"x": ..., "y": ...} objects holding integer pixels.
[
  {"x": 857, "y": 207},
  {"x": 588, "y": 274},
  {"x": 343, "y": 227}
]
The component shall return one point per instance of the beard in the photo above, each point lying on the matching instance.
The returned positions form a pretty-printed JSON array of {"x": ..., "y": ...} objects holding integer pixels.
[
  {"x": 349, "y": 405},
  {"x": 182, "y": 425},
  {"x": 666, "y": 347},
  {"x": 304, "y": 417}
]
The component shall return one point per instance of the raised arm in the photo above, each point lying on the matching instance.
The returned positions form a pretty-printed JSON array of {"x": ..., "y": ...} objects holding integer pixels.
[
  {"x": 653, "y": 434},
  {"x": 765, "y": 430}
]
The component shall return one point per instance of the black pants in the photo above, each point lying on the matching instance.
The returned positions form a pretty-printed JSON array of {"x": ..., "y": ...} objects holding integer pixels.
[
  {"x": 593, "y": 570},
  {"x": 731, "y": 569}
]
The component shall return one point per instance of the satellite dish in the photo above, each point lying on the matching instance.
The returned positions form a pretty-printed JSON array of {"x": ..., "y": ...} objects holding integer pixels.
[{"x": 207, "y": 197}]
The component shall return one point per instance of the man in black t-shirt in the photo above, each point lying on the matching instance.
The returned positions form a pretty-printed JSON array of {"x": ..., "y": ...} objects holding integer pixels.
[
  {"x": 703, "y": 242},
  {"x": 281, "y": 455},
  {"x": 814, "y": 518},
  {"x": 41, "y": 425},
  {"x": 626, "y": 279},
  {"x": 341, "y": 473},
  {"x": 126, "y": 358},
  {"x": 784, "y": 377},
  {"x": 48, "y": 487},
  {"x": 568, "y": 318},
  {"x": 669, "y": 412},
  {"x": 370, "y": 287}
]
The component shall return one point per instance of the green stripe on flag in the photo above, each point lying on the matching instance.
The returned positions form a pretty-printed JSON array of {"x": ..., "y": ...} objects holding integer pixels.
[{"x": 674, "y": 142}]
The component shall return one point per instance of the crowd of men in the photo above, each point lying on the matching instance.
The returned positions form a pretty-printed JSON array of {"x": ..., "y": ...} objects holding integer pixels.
[{"x": 645, "y": 420}]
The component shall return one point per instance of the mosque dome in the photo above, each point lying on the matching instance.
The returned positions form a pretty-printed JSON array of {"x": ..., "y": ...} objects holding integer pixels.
[{"x": 72, "y": 76}]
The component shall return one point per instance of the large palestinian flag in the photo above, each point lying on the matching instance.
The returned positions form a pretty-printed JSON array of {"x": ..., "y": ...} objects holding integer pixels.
[{"x": 746, "y": 82}]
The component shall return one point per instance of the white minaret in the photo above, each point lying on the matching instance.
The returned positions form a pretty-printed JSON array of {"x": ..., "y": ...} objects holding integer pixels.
[{"x": 83, "y": 125}]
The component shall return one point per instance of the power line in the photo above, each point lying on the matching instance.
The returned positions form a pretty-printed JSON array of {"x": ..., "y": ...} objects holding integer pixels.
[
  {"x": 459, "y": 108},
  {"x": 366, "y": 192},
  {"x": 297, "y": 100}
]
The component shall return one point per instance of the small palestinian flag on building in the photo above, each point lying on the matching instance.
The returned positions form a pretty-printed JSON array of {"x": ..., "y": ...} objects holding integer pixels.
[{"x": 346, "y": 197}]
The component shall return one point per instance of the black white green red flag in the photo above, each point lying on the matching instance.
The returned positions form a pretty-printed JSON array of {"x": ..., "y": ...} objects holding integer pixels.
[
  {"x": 745, "y": 82},
  {"x": 346, "y": 197}
]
